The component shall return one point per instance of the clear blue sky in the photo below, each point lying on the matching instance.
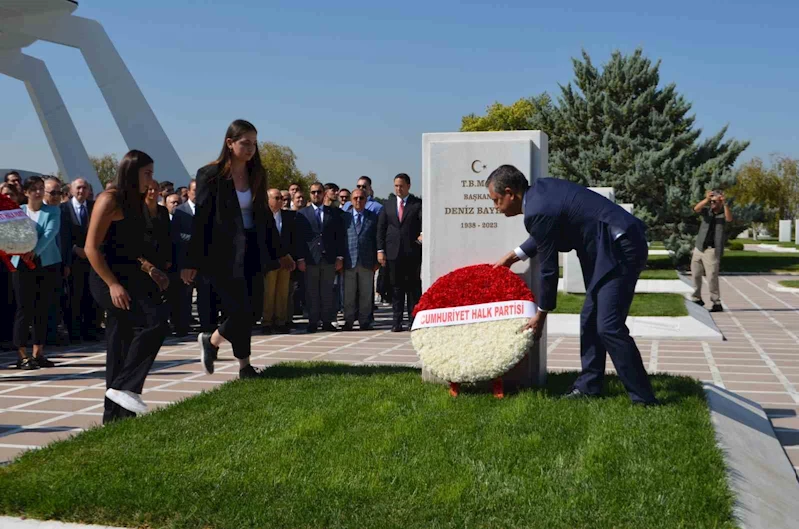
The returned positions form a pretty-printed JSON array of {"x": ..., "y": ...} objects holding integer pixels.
[{"x": 351, "y": 86}]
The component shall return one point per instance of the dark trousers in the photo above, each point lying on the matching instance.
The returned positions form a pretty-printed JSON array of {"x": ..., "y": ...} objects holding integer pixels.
[
  {"x": 406, "y": 281},
  {"x": 83, "y": 315},
  {"x": 319, "y": 293},
  {"x": 35, "y": 292},
  {"x": 603, "y": 328},
  {"x": 177, "y": 315},
  {"x": 131, "y": 351},
  {"x": 8, "y": 306},
  {"x": 234, "y": 295},
  {"x": 207, "y": 309}
]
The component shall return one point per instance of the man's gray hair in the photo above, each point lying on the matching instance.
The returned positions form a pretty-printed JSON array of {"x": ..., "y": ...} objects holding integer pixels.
[{"x": 507, "y": 176}]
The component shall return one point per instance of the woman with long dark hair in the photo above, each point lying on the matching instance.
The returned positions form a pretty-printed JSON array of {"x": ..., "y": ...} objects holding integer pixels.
[
  {"x": 233, "y": 240},
  {"x": 127, "y": 285}
]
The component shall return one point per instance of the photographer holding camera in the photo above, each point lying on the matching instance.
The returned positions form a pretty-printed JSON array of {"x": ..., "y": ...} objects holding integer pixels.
[{"x": 709, "y": 246}]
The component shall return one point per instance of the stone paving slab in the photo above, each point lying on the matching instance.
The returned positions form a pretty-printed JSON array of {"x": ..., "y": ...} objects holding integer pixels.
[{"x": 758, "y": 360}]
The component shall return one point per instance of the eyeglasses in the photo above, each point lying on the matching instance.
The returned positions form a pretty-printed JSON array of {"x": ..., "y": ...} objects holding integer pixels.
[
  {"x": 279, "y": 198},
  {"x": 361, "y": 186},
  {"x": 317, "y": 192},
  {"x": 53, "y": 193}
]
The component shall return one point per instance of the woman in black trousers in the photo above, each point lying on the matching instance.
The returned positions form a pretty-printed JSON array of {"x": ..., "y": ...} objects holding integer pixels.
[
  {"x": 35, "y": 288},
  {"x": 233, "y": 239},
  {"x": 127, "y": 286}
]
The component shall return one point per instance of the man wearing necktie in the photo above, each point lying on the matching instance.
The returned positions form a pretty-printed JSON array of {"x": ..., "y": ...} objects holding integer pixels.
[
  {"x": 82, "y": 313},
  {"x": 360, "y": 262},
  {"x": 399, "y": 243},
  {"x": 321, "y": 231}
]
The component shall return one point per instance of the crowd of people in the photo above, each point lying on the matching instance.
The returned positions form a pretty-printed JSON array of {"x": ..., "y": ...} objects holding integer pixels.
[{"x": 238, "y": 252}]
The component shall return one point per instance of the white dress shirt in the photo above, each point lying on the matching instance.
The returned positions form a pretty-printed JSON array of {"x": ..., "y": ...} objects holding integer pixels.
[
  {"x": 76, "y": 206},
  {"x": 192, "y": 205},
  {"x": 279, "y": 222}
]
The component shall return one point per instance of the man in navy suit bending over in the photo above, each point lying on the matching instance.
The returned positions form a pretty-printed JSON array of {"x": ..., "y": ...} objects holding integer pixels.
[{"x": 561, "y": 216}]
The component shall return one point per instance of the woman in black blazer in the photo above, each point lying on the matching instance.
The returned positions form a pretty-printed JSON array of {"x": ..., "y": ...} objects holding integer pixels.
[
  {"x": 233, "y": 239},
  {"x": 158, "y": 244}
]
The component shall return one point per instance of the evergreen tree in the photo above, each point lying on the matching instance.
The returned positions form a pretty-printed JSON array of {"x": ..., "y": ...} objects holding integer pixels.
[
  {"x": 620, "y": 129},
  {"x": 617, "y": 128}
]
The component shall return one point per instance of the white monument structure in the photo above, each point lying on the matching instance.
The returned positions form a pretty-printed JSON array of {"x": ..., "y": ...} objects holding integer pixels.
[
  {"x": 785, "y": 231},
  {"x": 573, "y": 282},
  {"x": 23, "y": 22},
  {"x": 796, "y": 231},
  {"x": 461, "y": 225}
]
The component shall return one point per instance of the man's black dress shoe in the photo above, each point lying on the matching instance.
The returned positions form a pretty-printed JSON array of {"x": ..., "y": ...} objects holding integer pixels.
[
  {"x": 397, "y": 328},
  {"x": 575, "y": 393},
  {"x": 310, "y": 329},
  {"x": 330, "y": 327},
  {"x": 717, "y": 308},
  {"x": 367, "y": 327},
  {"x": 347, "y": 326}
]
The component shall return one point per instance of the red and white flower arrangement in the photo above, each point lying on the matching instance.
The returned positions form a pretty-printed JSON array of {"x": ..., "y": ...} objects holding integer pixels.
[
  {"x": 18, "y": 234},
  {"x": 467, "y": 325}
]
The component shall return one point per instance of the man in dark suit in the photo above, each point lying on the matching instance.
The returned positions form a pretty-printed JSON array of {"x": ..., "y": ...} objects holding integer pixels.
[
  {"x": 277, "y": 282},
  {"x": 561, "y": 216},
  {"x": 83, "y": 314},
  {"x": 399, "y": 244},
  {"x": 181, "y": 230},
  {"x": 322, "y": 232},
  {"x": 360, "y": 262}
]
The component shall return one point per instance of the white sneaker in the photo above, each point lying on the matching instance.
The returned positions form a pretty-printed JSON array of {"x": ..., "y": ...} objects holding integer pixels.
[{"x": 127, "y": 399}]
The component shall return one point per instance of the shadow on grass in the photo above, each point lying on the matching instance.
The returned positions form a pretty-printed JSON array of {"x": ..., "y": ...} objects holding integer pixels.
[
  {"x": 309, "y": 369},
  {"x": 670, "y": 389}
]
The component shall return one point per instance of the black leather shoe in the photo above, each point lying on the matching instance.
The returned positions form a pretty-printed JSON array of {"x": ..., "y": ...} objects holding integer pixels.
[
  {"x": 266, "y": 329},
  {"x": 575, "y": 394},
  {"x": 27, "y": 364},
  {"x": 347, "y": 326},
  {"x": 717, "y": 308},
  {"x": 367, "y": 327},
  {"x": 330, "y": 327},
  {"x": 248, "y": 372},
  {"x": 310, "y": 329},
  {"x": 397, "y": 328},
  {"x": 43, "y": 361},
  {"x": 283, "y": 329},
  {"x": 699, "y": 302},
  {"x": 207, "y": 352}
]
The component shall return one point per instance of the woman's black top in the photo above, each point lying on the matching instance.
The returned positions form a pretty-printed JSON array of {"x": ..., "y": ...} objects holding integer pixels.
[{"x": 219, "y": 241}]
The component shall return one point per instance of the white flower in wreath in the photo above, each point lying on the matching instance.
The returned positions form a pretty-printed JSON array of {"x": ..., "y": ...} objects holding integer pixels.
[
  {"x": 18, "y": 233},
  {"x": 473, "y": 352}
]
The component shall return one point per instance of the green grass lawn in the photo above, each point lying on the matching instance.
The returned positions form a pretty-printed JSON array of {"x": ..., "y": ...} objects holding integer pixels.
[
  {"x": 760, "y": 262},
  {"x": 334, "y": 446},
  {"x": 790, "y": 284},
  {"x": 643, "y": 304},
  {"x": 650, "y": 273}
]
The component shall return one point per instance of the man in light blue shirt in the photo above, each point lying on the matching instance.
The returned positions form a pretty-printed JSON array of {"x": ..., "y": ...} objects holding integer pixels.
[{"x": 365, "y": 184}]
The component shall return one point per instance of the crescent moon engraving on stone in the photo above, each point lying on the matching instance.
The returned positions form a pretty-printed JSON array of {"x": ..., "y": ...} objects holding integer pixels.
[{"x": 477, "y": 166}]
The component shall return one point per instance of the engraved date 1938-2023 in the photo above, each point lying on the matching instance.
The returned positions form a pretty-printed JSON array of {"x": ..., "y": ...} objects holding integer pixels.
[{"x": 478, "y": 225}]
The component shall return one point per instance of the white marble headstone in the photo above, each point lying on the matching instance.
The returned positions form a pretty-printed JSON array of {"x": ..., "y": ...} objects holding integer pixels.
[
  {"x": 573, "y": 282},
  {"x": 785, "y": 231},
  {"x": 461, "y": 225}
]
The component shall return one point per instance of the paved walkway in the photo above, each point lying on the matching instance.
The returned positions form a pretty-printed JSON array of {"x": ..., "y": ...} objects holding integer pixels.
[{"x": 759, "y": 360}]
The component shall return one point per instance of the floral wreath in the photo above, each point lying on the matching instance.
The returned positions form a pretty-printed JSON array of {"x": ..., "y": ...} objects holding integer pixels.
[
  {"x": 466, "y": 325},
  {"x": 18, "y": 234}
]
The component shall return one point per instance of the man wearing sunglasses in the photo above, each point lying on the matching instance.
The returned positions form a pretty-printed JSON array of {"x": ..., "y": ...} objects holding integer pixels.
[
  {"x": 365, "y": 185},
  {"x": 705, "y": 260},
  {"x": 321, "y": 230},
  {"x": 360, "y": 263}
]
